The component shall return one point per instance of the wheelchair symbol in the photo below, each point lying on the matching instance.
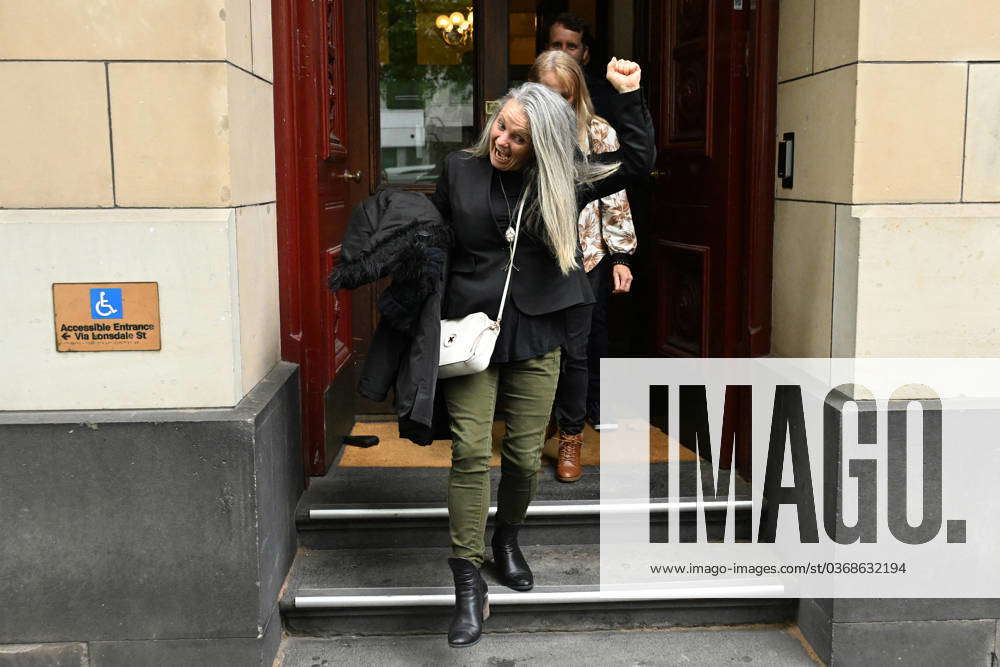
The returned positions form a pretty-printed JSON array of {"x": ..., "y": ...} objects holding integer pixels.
[
  {"x": 106, "y": 303},
  {"x": 104, "y": 307}
]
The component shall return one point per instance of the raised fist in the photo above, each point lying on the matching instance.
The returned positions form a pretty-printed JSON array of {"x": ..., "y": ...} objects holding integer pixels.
[{"x": 624, "y": 75}]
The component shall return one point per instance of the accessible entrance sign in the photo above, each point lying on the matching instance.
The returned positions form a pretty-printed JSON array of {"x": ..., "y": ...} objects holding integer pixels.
[{"x": 102, "y": 317}]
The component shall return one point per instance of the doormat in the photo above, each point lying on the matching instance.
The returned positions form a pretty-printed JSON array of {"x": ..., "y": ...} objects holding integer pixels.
[{"x": 395, "y": 452}]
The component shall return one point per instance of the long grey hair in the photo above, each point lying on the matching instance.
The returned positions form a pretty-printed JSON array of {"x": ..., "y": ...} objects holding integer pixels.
[{"x": 550, "y": 179}]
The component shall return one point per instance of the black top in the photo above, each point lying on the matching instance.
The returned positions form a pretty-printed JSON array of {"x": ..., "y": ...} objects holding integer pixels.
[
  {"x": 601, "y": 94},
  {"x": 469, "y": 197},
  {"x": 521, "y": 336}
]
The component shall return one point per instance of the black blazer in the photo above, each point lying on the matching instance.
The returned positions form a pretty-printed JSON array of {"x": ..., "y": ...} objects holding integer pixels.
[{"x": 480, "y": 254}]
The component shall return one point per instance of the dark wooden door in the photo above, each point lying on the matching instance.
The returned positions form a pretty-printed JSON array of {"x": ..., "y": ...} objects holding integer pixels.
[
  {"x": 313, "y": 153},
  {"x": 708, "y": 245},
  {"x": 699, "y": 103},
  {"x": 707, "y": 237}
]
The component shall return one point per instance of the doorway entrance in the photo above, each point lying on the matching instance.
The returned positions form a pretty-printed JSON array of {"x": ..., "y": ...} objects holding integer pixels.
[{"x": 372, "y": 94}]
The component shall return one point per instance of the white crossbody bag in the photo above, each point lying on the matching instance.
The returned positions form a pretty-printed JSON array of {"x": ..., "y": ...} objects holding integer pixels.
[{"x": 467, "y": 342}]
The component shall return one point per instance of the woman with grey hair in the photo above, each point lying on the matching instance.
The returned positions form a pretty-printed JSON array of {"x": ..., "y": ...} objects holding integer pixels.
[{"x": 527, "y": 155}]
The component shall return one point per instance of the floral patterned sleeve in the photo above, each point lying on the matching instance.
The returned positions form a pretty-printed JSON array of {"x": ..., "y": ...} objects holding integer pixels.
[{"x": 616, "y": 236}]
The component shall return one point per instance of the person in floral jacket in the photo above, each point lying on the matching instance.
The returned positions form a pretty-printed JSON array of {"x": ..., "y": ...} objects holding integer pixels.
[{"x": 607, "y": 242}]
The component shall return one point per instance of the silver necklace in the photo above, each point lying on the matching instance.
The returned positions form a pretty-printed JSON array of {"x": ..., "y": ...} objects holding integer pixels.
[{"x": 509, "y": 234}]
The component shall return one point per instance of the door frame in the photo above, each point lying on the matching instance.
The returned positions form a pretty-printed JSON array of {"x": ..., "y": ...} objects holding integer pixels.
[
  {"x": 300, "y": 286},
  {"x": 490, "y": 82},
  {"x": 289, "y": 184},
  {"x": 762, "y": 60}
]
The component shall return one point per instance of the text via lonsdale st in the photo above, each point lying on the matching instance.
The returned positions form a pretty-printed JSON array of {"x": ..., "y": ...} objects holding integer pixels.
[{"x": 103, "y": 317}]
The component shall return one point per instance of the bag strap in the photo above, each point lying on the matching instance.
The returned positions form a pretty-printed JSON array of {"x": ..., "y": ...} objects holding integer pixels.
[{"x": 510, "y": 268}]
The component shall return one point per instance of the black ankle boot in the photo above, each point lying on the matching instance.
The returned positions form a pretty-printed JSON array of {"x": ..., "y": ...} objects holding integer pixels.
[
  {"x": 514, "y": 570},
  {"x": 472, "y": 604}
]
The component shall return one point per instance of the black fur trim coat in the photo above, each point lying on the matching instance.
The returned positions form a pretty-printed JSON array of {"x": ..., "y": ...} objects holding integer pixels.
[{"x": 400, "y": 234}]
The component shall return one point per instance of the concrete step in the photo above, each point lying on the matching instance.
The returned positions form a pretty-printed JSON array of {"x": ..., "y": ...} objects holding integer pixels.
[
  {"x": 404, "y": 507},
  {"x": 773, "y": 646},
  {"x": 332, "y": 592}
]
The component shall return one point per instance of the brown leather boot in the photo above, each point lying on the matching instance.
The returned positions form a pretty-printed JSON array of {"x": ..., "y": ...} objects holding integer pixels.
[{"x": 569, "y": 469}]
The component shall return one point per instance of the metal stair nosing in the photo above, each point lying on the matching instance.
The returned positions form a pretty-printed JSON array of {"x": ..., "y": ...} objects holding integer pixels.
[
  {"x": 404, "y": 611},
  {"x": 406, "y": 597},
  {"x": 557, "y": 522},
  {"x": 535, "y": 510}
]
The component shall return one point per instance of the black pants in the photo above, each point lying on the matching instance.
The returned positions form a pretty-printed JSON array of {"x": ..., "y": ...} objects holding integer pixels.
[{"x": 578, "y": 396}]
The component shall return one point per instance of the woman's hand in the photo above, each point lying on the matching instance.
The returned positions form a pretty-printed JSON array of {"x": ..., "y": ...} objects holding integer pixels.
[
  {"x": 621, "y": 278},
  {"x": 624, "y": 75}
]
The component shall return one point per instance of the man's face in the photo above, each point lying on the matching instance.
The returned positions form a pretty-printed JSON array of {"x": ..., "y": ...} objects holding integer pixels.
[{"x": 562, "y": 38}]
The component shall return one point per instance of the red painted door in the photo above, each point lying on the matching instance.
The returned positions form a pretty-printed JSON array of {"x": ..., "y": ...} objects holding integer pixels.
[{"x": 314, "y": 199}]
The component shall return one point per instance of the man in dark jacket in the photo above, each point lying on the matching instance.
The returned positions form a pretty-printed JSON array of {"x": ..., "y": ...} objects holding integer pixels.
[
  {"x": 402, "y": 235},
  {"x": 570, "y": 34}
]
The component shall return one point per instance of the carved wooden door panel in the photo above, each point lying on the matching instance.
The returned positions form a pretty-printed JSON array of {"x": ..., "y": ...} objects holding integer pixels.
[
  {"x": 698, "y": 98},
  {"x": 713, "y": 88}
]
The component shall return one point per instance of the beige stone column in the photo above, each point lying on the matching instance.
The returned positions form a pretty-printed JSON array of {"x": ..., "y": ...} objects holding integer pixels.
[
  {"x": 138, "y": 138},
  {"x": 879, "y": 248},
  {"x": 817, "y": 98}
]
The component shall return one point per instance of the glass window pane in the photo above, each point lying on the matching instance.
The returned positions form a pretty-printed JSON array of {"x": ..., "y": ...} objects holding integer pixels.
[{"x": 425, "y": 87}]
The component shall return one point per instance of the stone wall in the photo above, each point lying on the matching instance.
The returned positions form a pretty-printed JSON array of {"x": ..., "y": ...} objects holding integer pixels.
[
  {"x": 138, "y": 144},
  {"x": 150, "y": 537},
  {"x": 138, "y": 138},
  {"x": 817, "y": 89},
  {"x": 892, "y": 113},
  {"x": 885, "y": 245}
]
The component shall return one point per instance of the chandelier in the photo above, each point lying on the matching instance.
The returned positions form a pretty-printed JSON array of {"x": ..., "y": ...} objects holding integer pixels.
[{"x": 455, "y": 28}]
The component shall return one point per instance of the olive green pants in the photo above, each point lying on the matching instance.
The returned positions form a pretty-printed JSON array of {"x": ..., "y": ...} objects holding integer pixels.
[{"x": 526, "y": 390}]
